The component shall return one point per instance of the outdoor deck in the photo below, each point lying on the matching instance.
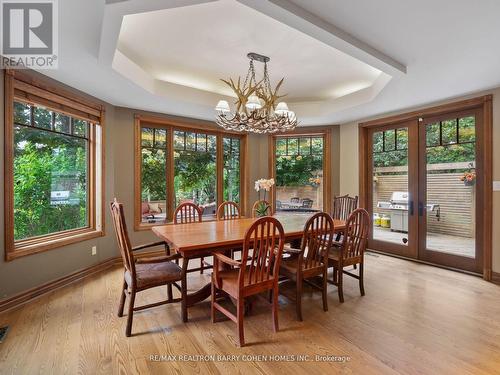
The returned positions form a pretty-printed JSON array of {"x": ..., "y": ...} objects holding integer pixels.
[{"x": 464, "y": 246}]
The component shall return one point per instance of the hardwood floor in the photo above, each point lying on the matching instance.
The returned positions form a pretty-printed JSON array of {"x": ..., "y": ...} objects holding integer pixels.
[{"x": 414, "y": 319}]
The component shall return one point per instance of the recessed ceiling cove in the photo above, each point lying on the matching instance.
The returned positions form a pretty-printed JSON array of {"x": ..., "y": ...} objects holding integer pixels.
[{"x": 181, "y": 49}]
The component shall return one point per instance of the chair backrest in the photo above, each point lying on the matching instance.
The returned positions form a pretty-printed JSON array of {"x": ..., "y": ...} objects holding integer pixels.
[
  {"x": 187, "y": 212},
  {"x": 358, "y": 226},
  {"x": 317, "y": 239},
  {"x": 266, "y": 238},
  {"x": 228, "y": 211},
  {"x": 122, "y": 238},
  {"x": 343, "y": 206},
  {"x": 307, "y": 203},
  {"x": 256, "y": 206},
  {"x": 295, "y": 200}
]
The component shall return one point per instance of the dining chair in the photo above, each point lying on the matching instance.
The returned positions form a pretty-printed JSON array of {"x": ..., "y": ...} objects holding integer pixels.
[
  {"x": 228, "y": 211},
  {"x": 143, "y": 273},
  {"x": 189, "y": 212},
  {"x": 351, "y": 250},
  {"x": 266, "y": 238},
  {"x": 343, "y": 206},
  {"x": 311, "y": 260},
  {"x": 256, "y": 205}
]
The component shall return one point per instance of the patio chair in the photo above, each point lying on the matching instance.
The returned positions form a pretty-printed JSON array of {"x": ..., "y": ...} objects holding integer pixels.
[
  {"x": 295, "y": 200},
  {"x": 307, "y": 203}
]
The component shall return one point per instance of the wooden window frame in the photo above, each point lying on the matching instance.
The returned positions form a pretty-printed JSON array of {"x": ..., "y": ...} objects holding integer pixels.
[
  {"x": 141, "y": 121},
  {"x": 26, "y": 87},
  {"x": 324, "y": 132},
  {"x": 482, "y": 103}
]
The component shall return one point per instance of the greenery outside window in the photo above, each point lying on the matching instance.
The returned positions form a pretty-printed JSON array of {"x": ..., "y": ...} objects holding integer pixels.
[
  {"x": 177, "y": 163},
  {"x": 53, "y": 176}
]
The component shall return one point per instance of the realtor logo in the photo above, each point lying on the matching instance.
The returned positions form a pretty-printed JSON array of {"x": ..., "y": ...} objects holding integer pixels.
[{"x": 29, "y": 34}]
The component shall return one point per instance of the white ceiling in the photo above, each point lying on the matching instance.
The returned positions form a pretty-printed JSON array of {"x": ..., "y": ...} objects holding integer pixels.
[
  {"x": 449, "y": 48},
  {"x": 185, "y": 46}
]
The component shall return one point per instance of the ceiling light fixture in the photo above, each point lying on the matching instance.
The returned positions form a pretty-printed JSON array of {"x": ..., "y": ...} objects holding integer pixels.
[{"x": 257, "y": 110}]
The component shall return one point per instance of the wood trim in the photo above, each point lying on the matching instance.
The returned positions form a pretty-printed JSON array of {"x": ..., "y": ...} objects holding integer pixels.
[
  {"x": 172, "y": 125},
  {"x": 327, "y": 171},
  {"x": 488, "y": 188},
  {"x": 35, "y": 82},
  {"x": 495, "y": 277},
  {"x": 8, "y": 165},
  {"x": 31, "y": 294},
  {"x": 26, "y": 82},
  {"x": 430, "y": 111},
  {"x": 272, "y": 170}
]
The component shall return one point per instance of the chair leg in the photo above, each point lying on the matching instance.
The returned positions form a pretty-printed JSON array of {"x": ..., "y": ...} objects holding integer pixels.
[
  {"x": 324, "y": 291},
  {"x": 169, "y": 292},
  {"x": 122, "y": 300},
  {"x": 275, "y": 308},
  {"x": 185, "y": 263},
  {"x": 298, "y": 298},
  {"x": 130, "y": 316},
  {"x": 355, "y": 266},
  {"x": 361, "y": 283},
  {"x": 339, "y": 285},
  {"x": 212, "y": 300},
  {"x": 240, "y": 311},
  {"x": 202, "y": 265}
]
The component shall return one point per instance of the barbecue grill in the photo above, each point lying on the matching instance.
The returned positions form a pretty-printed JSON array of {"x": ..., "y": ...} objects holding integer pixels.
[{"x": 398, "y": 205}]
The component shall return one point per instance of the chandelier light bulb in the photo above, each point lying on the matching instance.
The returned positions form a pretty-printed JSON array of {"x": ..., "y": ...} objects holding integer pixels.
[
  {"x": 253, "y": 103},
  {"x": 281, "y": 109},
  {"x": 222, "y": 106}
]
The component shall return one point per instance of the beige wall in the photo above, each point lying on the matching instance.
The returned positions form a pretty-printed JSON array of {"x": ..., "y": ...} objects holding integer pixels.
[{"x": 349, "y": 163}]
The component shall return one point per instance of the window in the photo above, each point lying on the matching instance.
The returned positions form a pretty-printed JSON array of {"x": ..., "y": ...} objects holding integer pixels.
[
  {"x": 300, "y": 170},
  {"x": 178, "y": 164},
  {"x": 52, "y": 173},
  {"x": 195, "y": 170}
]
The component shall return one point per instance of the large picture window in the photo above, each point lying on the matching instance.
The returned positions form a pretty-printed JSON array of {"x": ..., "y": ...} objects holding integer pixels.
[
  {"x": 52, "y": 170},
  {"x": 300, "y": 167},
  {"x": 178, "y": 163}
]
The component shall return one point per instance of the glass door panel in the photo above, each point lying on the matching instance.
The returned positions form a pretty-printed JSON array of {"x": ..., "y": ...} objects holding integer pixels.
[
  {"x": 448, "y": 182},
  {"x": 393, "y": 189}
]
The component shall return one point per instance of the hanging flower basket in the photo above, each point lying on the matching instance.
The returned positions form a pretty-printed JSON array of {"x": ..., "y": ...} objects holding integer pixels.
[{"x": 468, "y": 178}]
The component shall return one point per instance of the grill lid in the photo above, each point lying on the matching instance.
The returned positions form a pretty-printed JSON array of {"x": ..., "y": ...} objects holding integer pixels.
[{"x": 399, "y": 197}]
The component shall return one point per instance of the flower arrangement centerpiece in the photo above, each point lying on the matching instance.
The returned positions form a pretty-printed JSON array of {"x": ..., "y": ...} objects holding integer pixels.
[
  {"x": 315, "y": 181},
  {"x": 263, "y": 185},
  {"x": 468, "y": 178}
]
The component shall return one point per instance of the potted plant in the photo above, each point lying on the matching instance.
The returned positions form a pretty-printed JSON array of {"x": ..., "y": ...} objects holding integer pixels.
[{"x": 265, "y": 186}]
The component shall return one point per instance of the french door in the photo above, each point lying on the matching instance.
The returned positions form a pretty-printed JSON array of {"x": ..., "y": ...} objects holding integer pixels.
[{"x": 424, "y": 188}]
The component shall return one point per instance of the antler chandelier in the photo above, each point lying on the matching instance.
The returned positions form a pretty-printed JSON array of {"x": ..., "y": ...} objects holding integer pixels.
[{"x": 257, "y": 106}]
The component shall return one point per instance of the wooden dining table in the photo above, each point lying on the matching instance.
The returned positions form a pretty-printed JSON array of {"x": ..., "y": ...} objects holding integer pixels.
[{"x": 201, "y": 239}]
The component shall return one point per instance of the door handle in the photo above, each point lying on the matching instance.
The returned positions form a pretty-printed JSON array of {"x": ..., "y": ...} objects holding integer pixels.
[
  {"x": 420, "y": 209},
  {"x": 410, "y": 209}
]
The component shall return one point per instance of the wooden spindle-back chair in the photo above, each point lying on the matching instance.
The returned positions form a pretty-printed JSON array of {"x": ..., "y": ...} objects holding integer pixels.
[
  {"x": 142, "y": 273},
  {"x": 351, "y": 250},
  {"x": 187, "y": 213},
  {"x": 343, "y": 206},
  {"x": 256, "y": 206},
  {"x": 311, "y": 260},
  {"x": 265, "y": 238},
  {"x": 228, "y": 211}
]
